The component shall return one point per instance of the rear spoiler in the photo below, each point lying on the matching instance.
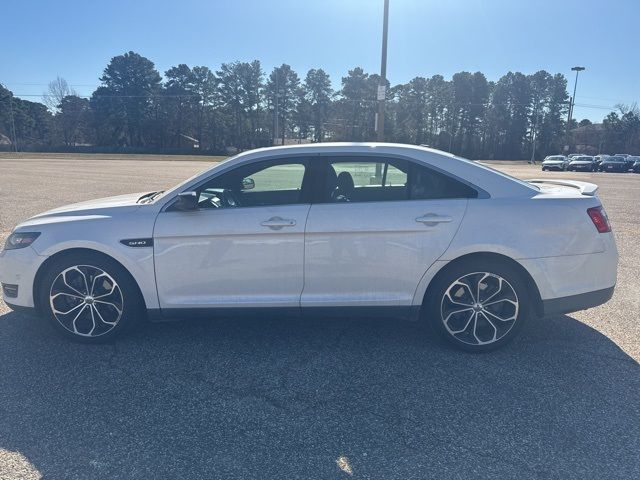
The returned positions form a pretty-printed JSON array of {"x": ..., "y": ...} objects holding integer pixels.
[{"x": 585, "y": 188}]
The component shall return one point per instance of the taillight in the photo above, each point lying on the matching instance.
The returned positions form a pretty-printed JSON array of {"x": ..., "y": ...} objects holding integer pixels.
[{"x": 599, "y": 219}]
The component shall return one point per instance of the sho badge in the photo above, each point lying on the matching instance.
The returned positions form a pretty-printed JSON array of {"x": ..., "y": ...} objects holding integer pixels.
[{"x": 138, "y": 242}]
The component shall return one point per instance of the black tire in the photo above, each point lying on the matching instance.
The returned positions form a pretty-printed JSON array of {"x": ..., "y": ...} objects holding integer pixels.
[
  {"x": 123, "y": 307},
  {"x": 436, "y": 305}
]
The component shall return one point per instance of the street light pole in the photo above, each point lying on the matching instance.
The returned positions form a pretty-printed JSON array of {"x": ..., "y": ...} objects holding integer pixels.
[
  {"x": 382, "y": 86},
  {"x": 573, "y": 100}
]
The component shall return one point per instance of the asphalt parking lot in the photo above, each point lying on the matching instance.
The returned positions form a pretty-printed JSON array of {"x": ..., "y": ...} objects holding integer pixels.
[{"x": 275, "y": 398}]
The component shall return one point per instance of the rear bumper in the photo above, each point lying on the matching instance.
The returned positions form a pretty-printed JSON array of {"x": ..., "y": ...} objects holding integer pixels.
[
  {"x": 575, "y": 282},
  {"x": 574, "y": 303}
]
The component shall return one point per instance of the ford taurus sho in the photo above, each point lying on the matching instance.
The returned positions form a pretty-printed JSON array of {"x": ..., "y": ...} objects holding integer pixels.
[{"x": 352, "y": 229}]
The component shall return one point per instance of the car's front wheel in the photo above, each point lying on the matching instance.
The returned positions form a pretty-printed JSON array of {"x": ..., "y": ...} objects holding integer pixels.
[
  {"x": 89, "y": 298},
  {"x": 478, "y": 305}
]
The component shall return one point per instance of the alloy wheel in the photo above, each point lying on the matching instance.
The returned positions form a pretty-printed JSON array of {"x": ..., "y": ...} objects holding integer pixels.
[
  {"x": 479, "y": 308},
  {"x": 86, "y": 300}
]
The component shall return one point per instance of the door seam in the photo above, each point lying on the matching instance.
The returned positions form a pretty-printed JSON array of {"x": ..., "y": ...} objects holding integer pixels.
[{"x": 304, "y": 257}]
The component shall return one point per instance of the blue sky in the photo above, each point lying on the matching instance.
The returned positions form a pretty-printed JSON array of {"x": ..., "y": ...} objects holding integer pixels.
[{"x": 75, "y": 39}]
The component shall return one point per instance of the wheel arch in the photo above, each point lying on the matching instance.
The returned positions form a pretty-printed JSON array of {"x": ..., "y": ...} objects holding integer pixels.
[
  {"x": 532, "y": 287},
  {"x": 75, "y": 251}
]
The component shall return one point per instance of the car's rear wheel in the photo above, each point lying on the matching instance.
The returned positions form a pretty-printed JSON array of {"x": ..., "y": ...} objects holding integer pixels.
[
  {"x": 89, "y": 298},
  {"x": 478, "y": 305}
]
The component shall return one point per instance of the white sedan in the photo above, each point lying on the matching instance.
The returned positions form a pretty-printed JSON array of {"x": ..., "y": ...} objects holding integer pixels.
[{"x": 350, "y": 229}]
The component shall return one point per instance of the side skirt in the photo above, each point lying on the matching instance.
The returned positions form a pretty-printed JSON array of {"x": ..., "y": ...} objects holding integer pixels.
[{"x": 411, "y": 312}]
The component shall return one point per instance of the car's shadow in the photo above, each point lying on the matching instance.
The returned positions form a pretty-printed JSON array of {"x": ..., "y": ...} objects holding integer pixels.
[{"x": 317, "y": 399}]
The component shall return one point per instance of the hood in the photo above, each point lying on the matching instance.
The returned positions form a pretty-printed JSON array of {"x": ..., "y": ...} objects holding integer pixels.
[
  {"x": 553, "y": 161},
  {"x": 100, "y": 206},
  {"x": 582, "y": 162}
]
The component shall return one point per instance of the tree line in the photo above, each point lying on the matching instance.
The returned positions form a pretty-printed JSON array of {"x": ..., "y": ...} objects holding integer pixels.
[{"x": 239, "y": 107}]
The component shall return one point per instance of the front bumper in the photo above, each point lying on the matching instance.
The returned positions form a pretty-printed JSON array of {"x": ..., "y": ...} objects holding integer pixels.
[
  {"x": 586, "y": 168},
  {"x": 554, "y": 166},
  {"x": 19, "y": 268},
  {"x": 613, "y": 168}
]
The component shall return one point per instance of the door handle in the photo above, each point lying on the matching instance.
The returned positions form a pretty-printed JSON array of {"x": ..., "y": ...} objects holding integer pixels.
[
  {"x": 432, "y": 219},
  {"x": 276, "y": 223}
]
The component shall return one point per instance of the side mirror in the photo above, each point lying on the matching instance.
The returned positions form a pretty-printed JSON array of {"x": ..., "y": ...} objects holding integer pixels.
[
  {"x": 186, "y": 201},
  {"x": 248, "y": 183}
]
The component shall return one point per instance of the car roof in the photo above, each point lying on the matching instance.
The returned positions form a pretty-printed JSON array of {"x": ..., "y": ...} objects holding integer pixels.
[{"x": 346, "y": 147}]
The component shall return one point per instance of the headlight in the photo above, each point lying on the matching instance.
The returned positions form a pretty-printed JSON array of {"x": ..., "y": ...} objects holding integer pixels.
[{"x": 20, "y": 240}]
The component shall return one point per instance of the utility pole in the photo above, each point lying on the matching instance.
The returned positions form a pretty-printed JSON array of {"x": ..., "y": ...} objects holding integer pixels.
[
  {"x": 13, "y": 124},
  {"x": 534, "y": 138},
  {"x": 382, "y": 86},
  {"x": 572, "y": 101},
  {"x": 275, "y": 110}
]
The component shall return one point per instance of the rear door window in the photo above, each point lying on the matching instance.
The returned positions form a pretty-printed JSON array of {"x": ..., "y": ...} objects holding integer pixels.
[
  {"x": 379, "y": 179},
  {"x": 365, "y": 180}
]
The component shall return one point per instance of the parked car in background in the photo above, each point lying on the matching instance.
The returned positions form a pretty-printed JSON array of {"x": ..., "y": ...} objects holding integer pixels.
[
  {"x": 572, "y": 155},
  {"x": 636, "y": 165},
  {"x": 343, "y": 229},
  {"x": 630, "y": 160},
  {"x": 626, "y": 157},
  {"x": 555, "y": 162},
  {"x": 614, "y": 164},
  {"x": 583, "y": 163},
  {"x": 599, "y": 158}
]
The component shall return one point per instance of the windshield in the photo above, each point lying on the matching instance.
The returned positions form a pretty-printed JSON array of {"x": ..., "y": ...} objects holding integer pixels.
[
  {"x": 555, "y": 157},
  {"x": 582, "y": 159}
]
